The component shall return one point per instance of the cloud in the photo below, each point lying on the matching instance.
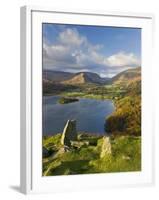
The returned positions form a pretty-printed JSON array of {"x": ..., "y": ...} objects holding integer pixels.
[
  {"x": 71, "y": 37},
  {"x": 73, "y": 52},
  {"x": 122, "y": 59}
]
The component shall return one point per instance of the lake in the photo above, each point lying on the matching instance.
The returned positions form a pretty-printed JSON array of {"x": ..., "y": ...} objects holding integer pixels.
[{"x": 89, "y": 114}]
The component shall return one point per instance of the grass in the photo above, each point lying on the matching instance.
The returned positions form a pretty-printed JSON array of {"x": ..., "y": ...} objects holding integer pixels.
[
  {"x": 96, "y": 92},
  {"x": 125, "y": 156}
]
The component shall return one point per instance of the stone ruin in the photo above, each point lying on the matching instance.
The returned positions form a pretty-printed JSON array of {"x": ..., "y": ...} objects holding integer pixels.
[
  {"x": 69, "y": 136},
  {"x": 69, "y": 133},
  {"x": 106, "y": 146}
]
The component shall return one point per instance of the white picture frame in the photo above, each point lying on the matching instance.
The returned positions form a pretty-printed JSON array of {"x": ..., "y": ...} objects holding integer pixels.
[{"x": 31, "y": 101}]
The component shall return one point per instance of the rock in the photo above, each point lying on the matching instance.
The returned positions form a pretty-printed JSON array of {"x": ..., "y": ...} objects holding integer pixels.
[
  {"x": 126, "y": 157},
  {"x": 63, "y": 150},
  {"x": 69, "y": 133},
  {"x": 79, "y": 144},
  {"x": 105, "y": 147}
]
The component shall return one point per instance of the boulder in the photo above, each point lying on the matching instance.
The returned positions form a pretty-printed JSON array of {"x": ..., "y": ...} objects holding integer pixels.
[
  {"x": 126, "y": 157},
  {"x": 105, "y": 146},
  {"x": 79, "y": 144},
  {"x": 69, "y": 133}
]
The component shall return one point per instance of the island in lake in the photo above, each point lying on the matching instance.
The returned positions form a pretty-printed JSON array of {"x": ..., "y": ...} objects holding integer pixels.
[
  {"x": 64, "y": 100},
  {"x": 91, "y": 122}
]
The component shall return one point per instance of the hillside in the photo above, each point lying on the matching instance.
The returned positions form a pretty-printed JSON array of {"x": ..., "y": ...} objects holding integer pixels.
[
  {"x": 73, "y": 78},
  {"x": 86, "y": 155},
  {"x": 84, "y": 77},
  {"x": 68, "y": 78},
  {"x": 56, "y": 76},
  {"x": 91, "y": 84},
  {"x": 126, "y": 119},
  {"x": 127, "y": 76}
]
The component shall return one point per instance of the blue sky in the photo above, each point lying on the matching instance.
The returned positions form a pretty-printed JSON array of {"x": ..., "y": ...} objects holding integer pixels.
[{"x": 103, "y": 50}]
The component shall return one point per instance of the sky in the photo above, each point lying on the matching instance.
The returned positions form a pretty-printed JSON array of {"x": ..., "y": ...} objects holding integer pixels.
[{"x": 100, "y": 49}]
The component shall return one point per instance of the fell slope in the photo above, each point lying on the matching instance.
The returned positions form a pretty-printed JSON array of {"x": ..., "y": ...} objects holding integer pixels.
[
  {"x": 127, "y": 76},
  {"x": 84, "y": 77}
]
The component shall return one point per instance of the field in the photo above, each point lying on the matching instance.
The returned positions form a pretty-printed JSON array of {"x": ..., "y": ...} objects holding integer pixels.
[{"x": 86, "y": 91}]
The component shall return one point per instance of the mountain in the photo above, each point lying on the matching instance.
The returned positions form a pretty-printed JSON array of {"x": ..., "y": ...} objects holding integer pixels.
[
  {"x": 72, "y": 78},
  {"x": 56, "y": 76},
  {"x": 68, "y": 78},
  {"x": 129, "y": 75},
  {"x": 84, "y": 77}
]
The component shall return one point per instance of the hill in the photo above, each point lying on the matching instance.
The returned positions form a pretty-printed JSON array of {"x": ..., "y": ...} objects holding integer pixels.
[
  {"x": 72, "y": 78},
  {"x": 68, "y": 78},
  {"x": 126, "y": 119},
  {"x": 127, "y": 76},
  {"x": 85, "y": 77},
  {"x": 84, "y": 157},
  {"x": 56, "y": 76},
  {"x": 88, "y": 83}
]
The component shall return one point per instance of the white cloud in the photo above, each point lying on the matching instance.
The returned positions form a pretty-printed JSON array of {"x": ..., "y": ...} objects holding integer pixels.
[
  {"x": 73, "y": 52},
  {"x": 56, "y": 52},
  {"x": 71, "y": 49},
  {"x": 122, "y": 59},
  {"x": 71, "y": 37}
]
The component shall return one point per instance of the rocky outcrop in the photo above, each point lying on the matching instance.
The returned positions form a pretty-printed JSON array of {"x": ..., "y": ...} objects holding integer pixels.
[
  {"x": 69, "y": 133},
  {"x": 105, "y": 146}
]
